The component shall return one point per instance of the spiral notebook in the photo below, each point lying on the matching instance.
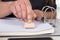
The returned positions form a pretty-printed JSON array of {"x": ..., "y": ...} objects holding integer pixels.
[{"x": 14, "y": 26}]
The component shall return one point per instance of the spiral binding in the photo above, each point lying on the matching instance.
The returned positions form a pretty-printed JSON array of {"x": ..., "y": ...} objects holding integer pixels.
[{"x": 51, "y": 8}]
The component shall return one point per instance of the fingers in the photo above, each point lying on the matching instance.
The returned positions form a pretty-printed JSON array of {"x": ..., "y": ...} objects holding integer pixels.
[
  {"x": 28, "y": 5},
  {"x": 24, "y": 9},
  {"x": 29, "y": 8},
  {"x": 18, "y": 10},
  {"x": 39, "y": 14},
  {"x": 13, "y": 10},
  {"x": 33, "y": 14}
]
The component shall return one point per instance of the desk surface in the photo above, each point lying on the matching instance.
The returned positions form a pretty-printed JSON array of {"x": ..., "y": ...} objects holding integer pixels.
[{"x": 57, "y": 29}]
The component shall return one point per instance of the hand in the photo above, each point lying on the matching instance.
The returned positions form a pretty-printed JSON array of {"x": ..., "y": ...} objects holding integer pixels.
[
  {"x": 21, "y": 9},
  {"x": 39, "y": 14}
]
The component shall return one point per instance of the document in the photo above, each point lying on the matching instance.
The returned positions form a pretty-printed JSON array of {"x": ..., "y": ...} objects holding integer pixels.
[{"x": 16, "y": 25}]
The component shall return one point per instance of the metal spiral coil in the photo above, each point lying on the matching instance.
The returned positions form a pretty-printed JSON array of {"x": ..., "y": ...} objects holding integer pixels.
[{"x": 51, "y": 8}]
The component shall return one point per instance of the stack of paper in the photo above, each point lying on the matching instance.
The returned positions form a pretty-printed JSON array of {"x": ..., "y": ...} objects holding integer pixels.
[{"x": 14, "y": 26}]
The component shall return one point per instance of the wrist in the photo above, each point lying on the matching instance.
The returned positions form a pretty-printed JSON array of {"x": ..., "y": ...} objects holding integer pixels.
[
  {"x": 6, "y": 7},
  {"x": 9, "y": 5}
]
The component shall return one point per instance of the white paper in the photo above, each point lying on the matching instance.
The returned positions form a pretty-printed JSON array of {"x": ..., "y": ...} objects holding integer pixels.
[{"x": 16, "y": 25}]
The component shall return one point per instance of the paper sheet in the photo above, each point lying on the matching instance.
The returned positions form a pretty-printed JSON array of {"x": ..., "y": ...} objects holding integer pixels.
[{"x": 16, "y": 25}]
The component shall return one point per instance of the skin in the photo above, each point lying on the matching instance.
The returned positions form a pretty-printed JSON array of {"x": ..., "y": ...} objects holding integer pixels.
[
  {"x": 21, "y": 9},
  {"x": 4, "y": 9}
]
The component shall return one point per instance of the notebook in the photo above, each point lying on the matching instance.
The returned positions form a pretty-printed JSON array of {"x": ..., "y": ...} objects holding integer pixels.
[{"x": 14, "y": 26}]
